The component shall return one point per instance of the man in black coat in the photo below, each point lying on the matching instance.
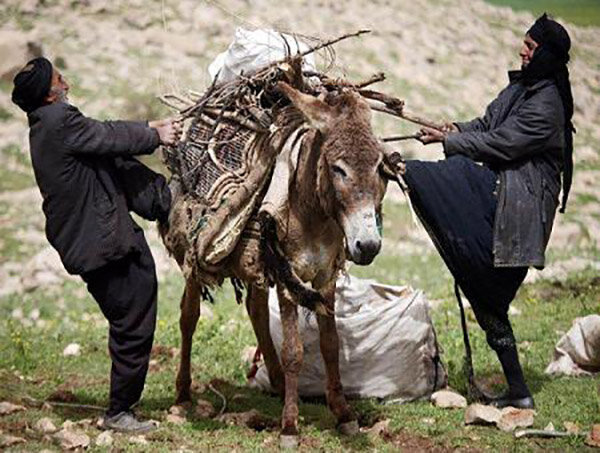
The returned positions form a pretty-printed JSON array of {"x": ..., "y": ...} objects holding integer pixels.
[
  {"x": 90, "y": 182},
  {"x": 491, "y": 222}
]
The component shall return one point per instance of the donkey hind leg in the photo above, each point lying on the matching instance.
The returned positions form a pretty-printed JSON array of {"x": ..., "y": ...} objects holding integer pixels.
[
  {"x": 329, "y": 343},
  {"x": 291, "y": 358},
  {"x": 257, "y": 305},
  {"x": 190, "y": 312}
]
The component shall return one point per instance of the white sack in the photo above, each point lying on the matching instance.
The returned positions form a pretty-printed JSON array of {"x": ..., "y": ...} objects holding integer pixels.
[
  {"x": 577, "y": 353},
  {"x": 254, "y": 49},
  {"x": 388, "y": 347}
]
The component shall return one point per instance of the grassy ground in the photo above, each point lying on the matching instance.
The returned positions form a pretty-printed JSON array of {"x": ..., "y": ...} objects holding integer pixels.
[
  {"x": 32, "y": 365},
  {"x": 580, "y": 12}
]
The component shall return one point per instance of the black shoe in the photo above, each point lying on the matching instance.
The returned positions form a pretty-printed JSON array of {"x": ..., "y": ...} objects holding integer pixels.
[{"x": 525, "y": 402}]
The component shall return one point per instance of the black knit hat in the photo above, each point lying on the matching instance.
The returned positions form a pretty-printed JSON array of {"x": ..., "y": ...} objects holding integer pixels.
[{"x": 32, "y": 84}]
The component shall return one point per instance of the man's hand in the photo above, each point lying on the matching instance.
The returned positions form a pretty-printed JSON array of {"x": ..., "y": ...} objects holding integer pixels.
[
  {"x": 168, "y": 130},
  {"x": 428, "y": 135}
]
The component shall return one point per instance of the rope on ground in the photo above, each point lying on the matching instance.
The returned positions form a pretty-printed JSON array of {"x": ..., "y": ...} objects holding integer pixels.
[{"x": 220, "y": 395}]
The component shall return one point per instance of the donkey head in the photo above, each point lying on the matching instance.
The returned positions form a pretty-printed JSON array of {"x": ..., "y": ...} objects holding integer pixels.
[{"x": 350, "y": 184}]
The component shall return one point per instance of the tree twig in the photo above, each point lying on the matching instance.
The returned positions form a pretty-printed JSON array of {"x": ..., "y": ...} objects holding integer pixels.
[
  {"x": 333, "y": 41},
  {"x": 398, "y": 138}
]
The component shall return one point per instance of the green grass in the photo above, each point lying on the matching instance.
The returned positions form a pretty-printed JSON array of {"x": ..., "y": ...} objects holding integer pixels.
[
  {"x": 579, "y": 12},
  {"x": 32, "y": 365}
]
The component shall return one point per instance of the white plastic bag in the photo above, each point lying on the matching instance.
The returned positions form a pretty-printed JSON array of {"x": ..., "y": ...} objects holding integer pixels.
[
  {"x": 388, "y": 347},
  {"x": 254, "y": 49}
]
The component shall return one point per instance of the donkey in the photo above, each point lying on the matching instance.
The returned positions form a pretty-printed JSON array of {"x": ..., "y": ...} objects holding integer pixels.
[{"x": 333, "y": 210}]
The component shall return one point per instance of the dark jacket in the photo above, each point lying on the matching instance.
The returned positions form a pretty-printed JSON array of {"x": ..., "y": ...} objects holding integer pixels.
[
  {"x": 90, "y": 182},
  {"x": 521, "y": 137}
]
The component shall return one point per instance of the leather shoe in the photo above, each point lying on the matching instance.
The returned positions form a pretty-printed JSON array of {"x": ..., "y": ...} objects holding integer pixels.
[{"x": 509, "y": 401}]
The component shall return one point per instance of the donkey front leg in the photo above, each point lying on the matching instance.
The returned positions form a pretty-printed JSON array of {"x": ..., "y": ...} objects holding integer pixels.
[
  {"x": 190, "y": 312},
  {"x": 257, "y": 305},
  {"x": 291, "y": 358},
  {"x": 329, "y": 342}
]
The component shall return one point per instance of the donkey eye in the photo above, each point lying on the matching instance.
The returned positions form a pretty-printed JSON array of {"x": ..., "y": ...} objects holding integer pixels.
[{"x": 338, "y": 171}]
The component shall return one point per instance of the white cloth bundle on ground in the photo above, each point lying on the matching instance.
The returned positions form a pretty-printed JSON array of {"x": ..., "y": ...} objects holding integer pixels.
[
  {"x": 577, "y": 353},
  {"x": 388, "y": 347},
  {"x": 255, "y": 49}
]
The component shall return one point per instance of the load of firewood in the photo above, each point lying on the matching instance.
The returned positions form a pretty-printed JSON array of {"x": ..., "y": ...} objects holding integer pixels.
[{"x": 222, "y": 165}]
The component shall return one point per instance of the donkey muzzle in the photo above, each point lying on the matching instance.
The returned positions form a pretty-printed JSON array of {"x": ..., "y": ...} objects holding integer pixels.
[
  {"x": 362, "y": 236},
  {"x": 365, "y": 251}
]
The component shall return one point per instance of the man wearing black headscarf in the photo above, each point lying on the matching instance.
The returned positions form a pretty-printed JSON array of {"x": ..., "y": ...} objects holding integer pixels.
[
  {"x": 89, "y": 182},
  {"x": 491, "y": 222}
]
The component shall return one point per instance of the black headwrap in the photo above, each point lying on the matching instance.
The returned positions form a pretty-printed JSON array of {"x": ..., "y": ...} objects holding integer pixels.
[
  {"x": 550, "y": 61},
  {"x": 32, "y": 84}
]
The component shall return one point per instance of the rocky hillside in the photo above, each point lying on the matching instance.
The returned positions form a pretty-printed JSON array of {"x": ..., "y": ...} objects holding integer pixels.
[{"x": 447, "y": 59}]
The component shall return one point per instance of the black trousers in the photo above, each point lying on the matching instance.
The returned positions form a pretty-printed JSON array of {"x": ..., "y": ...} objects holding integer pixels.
[{"x": 126, "y": 291}]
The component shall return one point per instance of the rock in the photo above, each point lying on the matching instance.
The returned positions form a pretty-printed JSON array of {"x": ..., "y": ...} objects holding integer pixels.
[
  {"x": 380, "y": 428},
  {"x": 513, "y": 418},
  {"x": 175, "y": 419},
  {"x": 247, "y": 355},
  {"x": 72, "y": 350},
  {"x": 204, "y": 409},
  {"x": 593, "y": 438},
  {"x": 198, "y": 387},
  {"x": 571, "y": 428},
  {"x": 140, "y": 440},
  {"x": 8, "y": 441},
  {"x": 478, "y": 414},
  {"x": 71, "y": 439},
  {"x": 251, "y": 419},
  {"x": 45, "y": 426},
  {"x": 68, "y": 424},
  {"x": 448, "y": 399},
  {"x": 104, "y": 439},
  {"x": 7, "y": 408},
  {"x": 17, "y": 313},
  {"x": 178, "y": 409},
  {"x": 550, "y": 427},
  {"x": 514, "y": 311}
]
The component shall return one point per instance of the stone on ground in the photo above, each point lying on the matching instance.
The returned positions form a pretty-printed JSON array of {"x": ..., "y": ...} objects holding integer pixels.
[
  {"x": 72, "y": 350},
  {"x": 204, "y": 409},
  {"x": 8, "y": 441},
  {"x": 593, "y": 438},
  {"x": 380, "y": 428},
  {"x": 251, "y": 419},
  {"x": 45, "y": 426},
  {"x": 6, "y": 408},
  {"x": 104, "y": 439},
  {"x": 479, "y": 414},
  {"x": 175, "y": 419},
  {"x": 448, "y": 399},
  {"x": 71, "y": 439},
  {"x": 513, "y": 418}
]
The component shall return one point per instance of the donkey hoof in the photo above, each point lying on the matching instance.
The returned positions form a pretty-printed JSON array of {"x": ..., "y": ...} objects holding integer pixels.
[
  {"x": 288, "y": 442},
  {"x": 348, "y": 428}
]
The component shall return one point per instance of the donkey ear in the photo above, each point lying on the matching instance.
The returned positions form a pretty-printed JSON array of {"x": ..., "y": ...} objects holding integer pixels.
[{"x": 317, "y": 112}]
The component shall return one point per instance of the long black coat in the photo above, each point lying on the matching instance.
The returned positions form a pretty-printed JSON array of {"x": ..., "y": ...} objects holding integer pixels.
[
  {"x": 89, "y": 182},
  {"x": 521, "y": 136}
]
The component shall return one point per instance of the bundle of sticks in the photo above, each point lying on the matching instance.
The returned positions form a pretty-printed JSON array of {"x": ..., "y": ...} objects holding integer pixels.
[{"x": 238, "y": 99}]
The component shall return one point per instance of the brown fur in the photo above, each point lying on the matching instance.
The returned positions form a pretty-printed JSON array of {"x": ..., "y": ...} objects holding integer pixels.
[{"x": 313, "y": 241}]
